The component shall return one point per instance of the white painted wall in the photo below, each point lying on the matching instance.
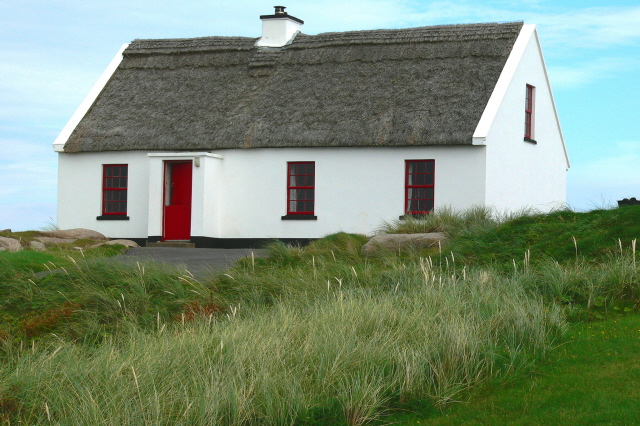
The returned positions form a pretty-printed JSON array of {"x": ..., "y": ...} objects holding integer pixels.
[
  {"x": 242, "y": 193},
  {"x": 80, "y": 193},
  {"x": 521, "y": 174},
  {"x": 356, "y": 188}
]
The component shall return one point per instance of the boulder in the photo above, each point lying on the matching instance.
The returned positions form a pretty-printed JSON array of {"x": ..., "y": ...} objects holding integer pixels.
[
  {"x": 400, "y": 242},
  {"x": 10, "y": 244},
  {"x": 75, "y": 234},
  {"x": 54, "y": 240},
  {"x": 126, "y": 243},
  {"x": 37, "y": 245}
]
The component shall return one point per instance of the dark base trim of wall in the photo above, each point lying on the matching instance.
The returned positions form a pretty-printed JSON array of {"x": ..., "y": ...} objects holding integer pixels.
[{"x": 209, "y": 242}]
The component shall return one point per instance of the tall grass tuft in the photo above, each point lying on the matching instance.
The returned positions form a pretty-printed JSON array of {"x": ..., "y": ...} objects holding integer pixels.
[
  {"x": 344, "y": 355},
  {"x": 445, "y": 219}
]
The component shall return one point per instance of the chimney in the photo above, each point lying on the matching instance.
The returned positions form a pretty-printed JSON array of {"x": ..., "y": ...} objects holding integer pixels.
[{"x": 279, "y": 28}]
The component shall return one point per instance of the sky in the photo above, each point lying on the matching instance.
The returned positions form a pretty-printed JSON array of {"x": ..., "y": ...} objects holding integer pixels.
[{"x": 53, "y": 51}]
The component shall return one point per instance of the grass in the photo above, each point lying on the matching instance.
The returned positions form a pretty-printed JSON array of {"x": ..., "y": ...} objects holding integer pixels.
[
  {"x": 560, "y": 235},
  {"x": 592, "y": 379},
  {"x": 448, "y": 221},
  {"x": 343, "y": 356},
  {"x": 322, "y": 334}
]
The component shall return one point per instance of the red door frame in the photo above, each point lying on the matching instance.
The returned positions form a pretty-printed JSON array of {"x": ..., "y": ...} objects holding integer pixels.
[{"x": 179, "y": 214}]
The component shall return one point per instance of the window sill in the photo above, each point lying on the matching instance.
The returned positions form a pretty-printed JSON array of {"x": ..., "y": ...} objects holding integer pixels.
[
  {"x": 299, "y": 217},
  {"x": 526, "y": 139},
  {"x": 112, "y": 217},
  {"x": 413, "y": 216}
]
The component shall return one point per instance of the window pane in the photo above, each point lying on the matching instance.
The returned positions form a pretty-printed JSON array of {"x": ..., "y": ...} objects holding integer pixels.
[
  {"x": 411, "y": 167},
  {"x": 293, "y": 194},
  {"x": 309, "y": 206},
  {"x": 428, "y": 179},
  {"x": 309, "y": 181},
  {"x": 311, "y": 168},
  {"x": 123, "y": 195},
  {"x": 420, "y": 193},
  {"x": 300, "y": 206},
  {"x": 421, "y": 167},
  {"x": 115, "y": 171},
  {"x": 429, "y": 205},
  {"x": 107, "y": 207},
  {"x": 123, "y": 170},
  {"x": 292, "y": 169},
  {"x": 419, "y": 180},
  {"x": 422, "y": 205},
  {"x": 108, "y": 195},
  {"x": 429, "y": 193},
  {"x": 309, "y": 195},
  {"x": 292, "y": 206},
  {"x": 430, "y": 167},
  {"x": 123, "y": 182},
  {"x": 300, "y": 180}
]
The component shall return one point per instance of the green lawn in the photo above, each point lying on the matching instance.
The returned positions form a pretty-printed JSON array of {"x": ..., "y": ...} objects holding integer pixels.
[{"x": 594, "y": 379}]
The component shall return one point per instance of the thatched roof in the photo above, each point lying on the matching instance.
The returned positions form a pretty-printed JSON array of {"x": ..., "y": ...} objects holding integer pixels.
[{"x": 417, "y": 86}]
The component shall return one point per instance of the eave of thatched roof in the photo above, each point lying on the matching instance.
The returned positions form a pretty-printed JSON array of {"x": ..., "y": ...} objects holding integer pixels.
[{"x": 418, "y": 86}]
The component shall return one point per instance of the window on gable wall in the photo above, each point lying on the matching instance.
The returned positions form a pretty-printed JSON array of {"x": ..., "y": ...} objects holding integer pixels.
[
  {"x": 301, "y": 188},
  {"x": 528, "y": 113},
  {"x": 114, "y": 189},
  {"x": 419, "y": 186}
]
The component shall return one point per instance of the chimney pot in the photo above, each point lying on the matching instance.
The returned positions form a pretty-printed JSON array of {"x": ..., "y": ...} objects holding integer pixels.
[{"x": 280, "y": 10}]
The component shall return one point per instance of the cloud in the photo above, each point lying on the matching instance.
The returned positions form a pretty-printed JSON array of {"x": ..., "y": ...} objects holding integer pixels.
[
  {"x": 590, "y": 28},
  {"x": 607, "y": 179},
  {"x": 23, "y": 216},
  {"x": 28, "y": 171},
  {"x": 34, "y": 85},
  {"x": 580, "y": 74}
]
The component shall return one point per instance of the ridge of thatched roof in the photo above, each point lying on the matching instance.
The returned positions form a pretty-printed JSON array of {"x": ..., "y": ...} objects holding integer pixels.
[{"x": 416, "y": 86}]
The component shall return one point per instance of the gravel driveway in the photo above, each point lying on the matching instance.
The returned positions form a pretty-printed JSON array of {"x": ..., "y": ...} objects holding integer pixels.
[{"x": 198, "y": 261}]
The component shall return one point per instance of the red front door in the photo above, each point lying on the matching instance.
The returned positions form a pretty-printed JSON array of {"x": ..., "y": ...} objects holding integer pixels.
[{"x": 177, "y": 200}]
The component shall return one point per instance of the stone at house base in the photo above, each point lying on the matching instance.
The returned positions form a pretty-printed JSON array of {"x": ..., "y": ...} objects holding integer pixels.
[
  {"x": 37, "y": 245},
  {"x": 175, "y": 244},
  {"x": 75, "y": 234},
  {"x": 126, "y": 243},
  {"x": 628, "y": 202},
  {"x": 10, "y": 244},
  {"x": 400, "y": 242}
]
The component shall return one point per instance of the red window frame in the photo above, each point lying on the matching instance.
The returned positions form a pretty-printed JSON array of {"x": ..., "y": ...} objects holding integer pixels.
[
  {"x": 301, "y": 187},
  {"x": 115, "y": 182},
  {"x": 528, "y": 112},
  {"x": 419, "y": 186}
]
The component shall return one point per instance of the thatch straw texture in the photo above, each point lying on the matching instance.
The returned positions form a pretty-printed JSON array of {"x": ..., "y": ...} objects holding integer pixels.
[{"x": 418, "y": 86}]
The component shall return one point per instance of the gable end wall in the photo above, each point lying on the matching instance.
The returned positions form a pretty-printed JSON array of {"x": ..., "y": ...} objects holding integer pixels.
[{"x": 521, "y": 174}]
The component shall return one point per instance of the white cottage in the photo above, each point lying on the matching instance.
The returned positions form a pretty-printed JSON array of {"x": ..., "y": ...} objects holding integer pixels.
[{"x": 232, "y": 141}]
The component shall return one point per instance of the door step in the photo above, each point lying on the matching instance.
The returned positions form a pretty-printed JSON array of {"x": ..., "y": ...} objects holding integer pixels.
[{"x": 175, "y": 244}]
